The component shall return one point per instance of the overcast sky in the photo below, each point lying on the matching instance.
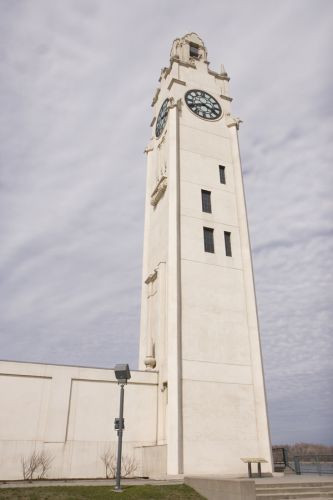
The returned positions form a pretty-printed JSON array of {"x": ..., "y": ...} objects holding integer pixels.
[{"x": 76, "y": 82}]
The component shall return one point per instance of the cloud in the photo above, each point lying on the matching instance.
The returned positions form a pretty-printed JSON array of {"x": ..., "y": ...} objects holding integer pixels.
[{"x": 76, "y": 83}]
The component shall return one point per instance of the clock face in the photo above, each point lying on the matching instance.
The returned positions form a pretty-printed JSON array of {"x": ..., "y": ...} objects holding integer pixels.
[
  {"x": 162, "y": 118},
  {"x": 203, "y": 104}
]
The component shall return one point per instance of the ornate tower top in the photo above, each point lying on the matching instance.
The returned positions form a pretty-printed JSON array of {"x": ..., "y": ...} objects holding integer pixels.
[
  {"x": 189, "y": 52},
  {"x": 188, "y": 49}
]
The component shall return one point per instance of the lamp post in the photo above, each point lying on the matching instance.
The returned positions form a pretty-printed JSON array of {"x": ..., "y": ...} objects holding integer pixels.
[{"x": 122, "y": 373}]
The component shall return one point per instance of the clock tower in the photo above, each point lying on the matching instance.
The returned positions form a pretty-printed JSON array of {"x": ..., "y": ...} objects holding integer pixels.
[{"x": 199, "y": 326}]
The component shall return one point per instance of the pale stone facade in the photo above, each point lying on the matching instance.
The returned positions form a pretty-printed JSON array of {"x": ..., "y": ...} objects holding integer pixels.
[
  {"x": 198, "y": 404},
  {"x": 199, "y": 325}
]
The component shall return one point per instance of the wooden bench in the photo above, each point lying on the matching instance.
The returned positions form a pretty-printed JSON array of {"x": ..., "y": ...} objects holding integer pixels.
[{"x": 250, "y": 460}]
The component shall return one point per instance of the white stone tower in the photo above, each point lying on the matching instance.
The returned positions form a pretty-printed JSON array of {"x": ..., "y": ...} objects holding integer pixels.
[{"x": 199, "y": 326}]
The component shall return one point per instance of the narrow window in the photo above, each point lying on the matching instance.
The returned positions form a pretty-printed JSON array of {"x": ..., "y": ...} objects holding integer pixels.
[
  {"x": 222, "y": 174},
  {"x": 206, "y": 201},
  {"x": 208, "y": 239},
  {"x": 227, "y": 242},
  {"x": 194, "y": 51}
]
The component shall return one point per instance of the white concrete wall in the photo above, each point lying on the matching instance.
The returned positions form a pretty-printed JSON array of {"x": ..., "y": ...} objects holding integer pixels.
[{"x": 69, "y": 412}]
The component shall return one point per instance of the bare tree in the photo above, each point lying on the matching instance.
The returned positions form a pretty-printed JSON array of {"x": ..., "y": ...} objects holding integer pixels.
[
  {"x": 109, "y": 459},
  {"x": 129, "y": 465},
  {"x": 29, "y": 465},
  {"x": 45, "y": 461},
  {"x": 37, "y": 463}
]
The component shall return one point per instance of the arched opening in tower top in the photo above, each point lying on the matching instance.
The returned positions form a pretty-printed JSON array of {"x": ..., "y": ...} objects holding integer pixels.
[{"x": 194, "y": 50}]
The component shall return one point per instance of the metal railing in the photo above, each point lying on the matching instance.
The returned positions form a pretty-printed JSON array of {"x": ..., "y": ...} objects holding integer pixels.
[
  {"x": 313, "y": 464},
  {"x": 302, "y": 464}
]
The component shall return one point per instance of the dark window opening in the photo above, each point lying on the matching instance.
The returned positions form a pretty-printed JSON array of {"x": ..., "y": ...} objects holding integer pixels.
[
  {"x": 227, "y": 242},
  {"x": 208, "y": 239},
  {"x": 222, "y": 174},
  {"x": 206, "y": 201},
  {"x": 194, "y": 51}
]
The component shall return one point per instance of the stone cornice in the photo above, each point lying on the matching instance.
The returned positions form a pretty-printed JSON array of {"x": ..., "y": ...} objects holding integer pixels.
[
  {"x": 166, "y": 71},
  {"x": 182, "y": 63},
  {"x": 149, "y": 148},
  {"x": 175, "y": 80},
  {"x": 159, "y": 191},
  {"x": 219, "y": 76},
  {"x": 226, "y": 98},
  {"x": 232, "y": 121}
]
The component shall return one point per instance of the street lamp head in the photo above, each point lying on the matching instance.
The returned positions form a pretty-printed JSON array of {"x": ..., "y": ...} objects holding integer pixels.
[{"x": 122, "y": 373}]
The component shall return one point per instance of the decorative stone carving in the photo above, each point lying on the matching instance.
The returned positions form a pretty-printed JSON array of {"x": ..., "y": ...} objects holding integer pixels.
[
  {"x": 164, "y": 73},
  {"x": 149, "y": 148},
  {"x": 159, "y": 190},
  {"x": 223, "y": 71},
  {"x": 155, "y": 96},
  {"x": 232, "y": 121},
  {"x": 150, "y": 362},
  {"x": 151, "y": 277},
  {"x": 162, "y": 140},
  {"x": 173, "y": 103}
]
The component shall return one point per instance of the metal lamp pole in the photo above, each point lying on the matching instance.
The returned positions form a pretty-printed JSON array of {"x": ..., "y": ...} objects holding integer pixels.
[
  {"x": 122, "y": 373},
  {"x": 120, "y": 437}
]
